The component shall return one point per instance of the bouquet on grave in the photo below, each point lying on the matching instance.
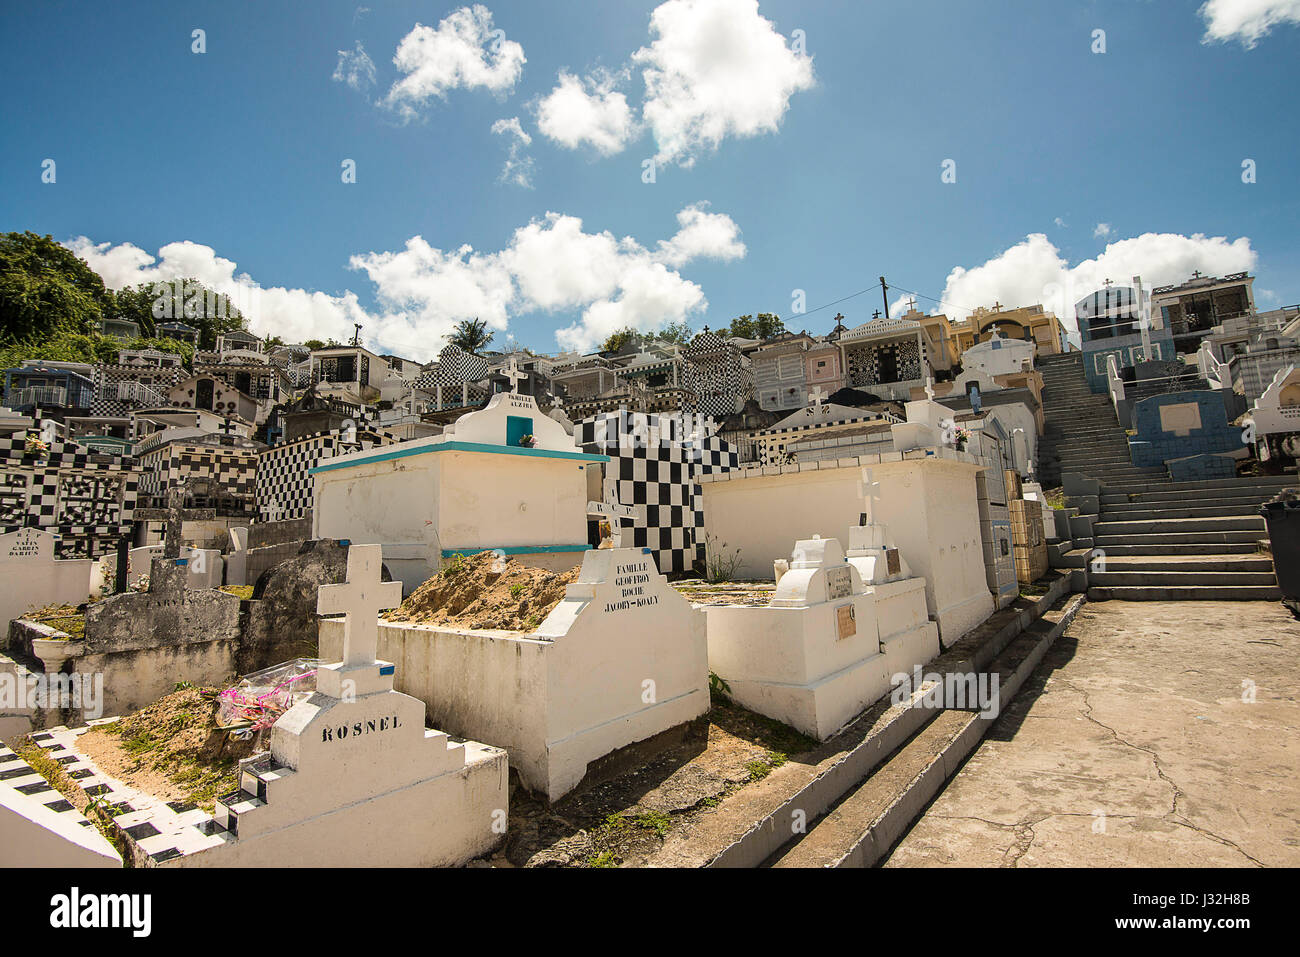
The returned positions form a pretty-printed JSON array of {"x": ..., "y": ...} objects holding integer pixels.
[
  {"x": 36, "y": 445},
  {"x": 260, "y": 698},
  {"x": 528, "y": 441}
]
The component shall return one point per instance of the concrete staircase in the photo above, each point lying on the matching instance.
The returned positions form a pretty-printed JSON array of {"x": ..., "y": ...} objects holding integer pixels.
[
  {"x": 1194, "y": 540},
  {"x": 1160, "y": 540},
  {"x": 1081, "y": 432}
]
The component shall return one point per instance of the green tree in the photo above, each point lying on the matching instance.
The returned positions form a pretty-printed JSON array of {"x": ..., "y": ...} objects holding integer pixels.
[
  {"x": 765, "y": 326},
  {"x": 45, "y": 289},
  {"x": 470, "y": 335},
  {"x": 180, "y": 300},
  {"x": 678, "y": 333},
  {"x": 617, "y": 340}
]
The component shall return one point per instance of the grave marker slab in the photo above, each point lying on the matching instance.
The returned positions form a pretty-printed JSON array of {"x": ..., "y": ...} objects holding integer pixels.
[{"x": 621, "y": 659}]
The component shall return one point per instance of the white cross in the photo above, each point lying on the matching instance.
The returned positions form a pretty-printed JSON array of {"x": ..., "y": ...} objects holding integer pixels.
[
  {"x": 870, "y": 492},
  {"x": 512, "y": 373},
  {"x": 817, "y": 396},
  {"x": 929, "y": 386},
  {"x": 361, "y": 600}
]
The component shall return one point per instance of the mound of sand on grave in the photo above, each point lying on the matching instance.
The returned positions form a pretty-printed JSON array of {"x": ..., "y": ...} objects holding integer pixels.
[
  {"x": 483, "y": 591},
  {"x": 170, "y": 749}
]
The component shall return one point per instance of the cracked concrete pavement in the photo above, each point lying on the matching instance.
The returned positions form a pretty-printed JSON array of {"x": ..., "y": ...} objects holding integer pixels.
[{"x": 1135, "y": 743}]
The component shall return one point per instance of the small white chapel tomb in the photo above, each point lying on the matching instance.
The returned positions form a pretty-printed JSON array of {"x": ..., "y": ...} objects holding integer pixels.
[
  {"x": 619, "y": 660},
  {"x": 506, "y": 478},
  {"x": 353, "y": 777}
]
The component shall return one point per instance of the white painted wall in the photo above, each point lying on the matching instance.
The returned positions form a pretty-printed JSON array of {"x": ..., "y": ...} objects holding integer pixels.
[
  {"x": 574, "y": 691},
  {"x": 31, "y": 577},
  {"x": 927, "y": 501}
]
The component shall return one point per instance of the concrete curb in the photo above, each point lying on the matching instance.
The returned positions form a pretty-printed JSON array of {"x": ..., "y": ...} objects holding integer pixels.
[
  {"x": 885, "y": 831},
  {"x": 766, "y": 836}
]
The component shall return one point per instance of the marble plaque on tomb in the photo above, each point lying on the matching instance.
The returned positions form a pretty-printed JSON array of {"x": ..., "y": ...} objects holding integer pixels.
[
  {"x": 891, "y": 557},
  {"x": 846, "y": 621},
  {"x": 1180, "y": 419},
  {"x": 839, "y": 583}
]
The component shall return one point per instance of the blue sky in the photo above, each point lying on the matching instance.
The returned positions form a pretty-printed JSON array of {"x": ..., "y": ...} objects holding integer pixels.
[{"x": 237, "y": 152}]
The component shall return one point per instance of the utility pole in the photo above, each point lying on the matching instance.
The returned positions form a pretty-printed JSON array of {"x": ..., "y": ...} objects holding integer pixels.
[
  {"x": 356, "y": 336},
  {"x": 884, "y": 294}
]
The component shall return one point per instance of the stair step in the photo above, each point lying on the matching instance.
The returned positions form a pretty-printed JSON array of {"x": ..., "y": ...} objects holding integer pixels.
[
  {"x": 1179, "y": 578},
  {"x": 1165, "y": 550},
  {"x": 1185, "y": 593},
  {"x": 1234, "y": 537},
  {"x": 1146, "y": 512},
  {"x": 1178, "y": 525},
  {"x": 1188, "y": 563}
]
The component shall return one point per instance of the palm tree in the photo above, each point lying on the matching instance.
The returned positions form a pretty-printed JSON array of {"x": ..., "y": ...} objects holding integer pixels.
[{"x": 470, "y": 335}]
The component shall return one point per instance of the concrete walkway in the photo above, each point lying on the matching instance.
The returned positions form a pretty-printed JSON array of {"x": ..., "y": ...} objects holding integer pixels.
[{"x": 1132, "y": 746}]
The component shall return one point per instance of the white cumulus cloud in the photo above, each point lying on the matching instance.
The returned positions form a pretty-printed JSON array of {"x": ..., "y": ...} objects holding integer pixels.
[
  {"x": 1101, "y": 231},
  {"x": 587, "y": 112},
  {"x": 466, "y": 50},
  {"x": 716, "y": 69},
  {"x": 355, "y": 68},
  {"x": 1033, "y": 271},
  {"x": 1246, "y": 20},
  {"x": 291, "y": 314},
  {"x": 518, "y": 168},
  {"x": 550, "y": 265}
]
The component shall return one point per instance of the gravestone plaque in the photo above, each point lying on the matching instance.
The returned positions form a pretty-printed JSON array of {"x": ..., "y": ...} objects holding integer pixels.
[
  {"x": 846, "y": 621},
  {"x": 839, "y": 583}
]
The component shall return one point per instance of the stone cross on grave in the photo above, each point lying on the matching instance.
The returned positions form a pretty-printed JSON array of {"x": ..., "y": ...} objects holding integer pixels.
[
  {"x": 360, "y": 599},
  {"x": 817, "y": 396},
  {"x": 929, "y": 386},
  {"x": 870, "y": 493},
  {"x": 177, "y": 514},
  {"x": 512, "y": 373}
]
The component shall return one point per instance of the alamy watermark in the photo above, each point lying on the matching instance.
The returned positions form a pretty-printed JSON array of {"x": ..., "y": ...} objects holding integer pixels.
[
  {"x": 972, "y": 691},
  {"x": 60, "y": 692}
]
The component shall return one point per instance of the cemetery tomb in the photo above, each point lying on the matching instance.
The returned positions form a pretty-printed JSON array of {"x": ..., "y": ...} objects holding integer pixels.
[
  {"x": 40, "y": 828},
  {"x": 284, "y": 481},
  {"x": 352, "y": 777},
  {"x": 995, "y": 517},
  {"x": 836, "y": 629},
  {"x": 506, "y": 478},
  {"x": 927, "y": 497},
  {"x": 621, "y": 658},
  {"x": 85, "y": 498},
  {"x": 34, "y": 578},
  {"x": 1029, "y": 540},
  {"x": 656, "y": 466}
]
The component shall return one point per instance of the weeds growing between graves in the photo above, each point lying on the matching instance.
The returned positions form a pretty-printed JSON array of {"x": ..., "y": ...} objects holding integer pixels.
[
  {"x": 93, "y": 809},
  {"x": 719, "y": 564}
]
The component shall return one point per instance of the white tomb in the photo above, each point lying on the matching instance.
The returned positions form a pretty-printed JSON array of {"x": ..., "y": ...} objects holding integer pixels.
[
  {"x": 836, "y": 630},
  {"x": 619, "y": 660},
  {"x": 1277, "y": 410},
  {"x": 927, "y": 496},
  {"x": 506, "y": 478},
  {"x": 31, "y": 577},
  {"x": 353, "y": 778},
  {"x": 926, "y": 423}
]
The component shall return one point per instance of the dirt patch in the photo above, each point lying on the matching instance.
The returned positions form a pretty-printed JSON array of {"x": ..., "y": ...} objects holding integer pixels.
[
  {"x": 701, "y": 592},
  {"x": 623, "y": 822},
  {"x": 65, "y": 618},
  {"x": 484, "y": 591},
  {"x": 171, "y": 749}
]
